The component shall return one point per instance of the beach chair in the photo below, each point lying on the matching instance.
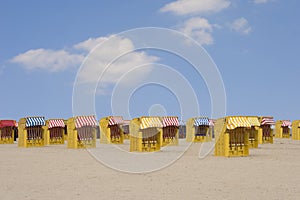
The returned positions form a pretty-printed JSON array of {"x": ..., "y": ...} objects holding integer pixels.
[
  {"x": 126, "y": 129},
  {"x": 198, "y": 130},
  {"x": 55, "y": 132},
  {"x": 7, "y": 131},
  {"x": 82, "y": 132},
  {"x": 31, "y": 132},
  {"x": 282, "y": 129},
  {"x": 170, "y": 131},
  {"x": 145, "y": 134},
  {"x": 111, "y": 131},
  {"x": 265, "y": 131},
  {"x": 253, "y": 131},
  {"x": 232, "y": 136}
]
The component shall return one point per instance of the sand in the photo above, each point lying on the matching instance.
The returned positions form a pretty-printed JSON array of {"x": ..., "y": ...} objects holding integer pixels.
[{"x": 55, "y": 172}]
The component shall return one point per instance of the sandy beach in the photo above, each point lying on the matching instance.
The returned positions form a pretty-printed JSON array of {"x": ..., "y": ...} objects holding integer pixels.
[{"x": 55, "y": 172}]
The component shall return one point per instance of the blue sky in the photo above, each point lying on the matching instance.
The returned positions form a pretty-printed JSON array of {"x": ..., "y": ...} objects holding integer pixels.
[{"x": 254, "y": 43}]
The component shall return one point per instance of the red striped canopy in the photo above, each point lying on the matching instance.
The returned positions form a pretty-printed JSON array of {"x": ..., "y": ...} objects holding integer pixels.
[
  {"x": 267, "y": 121},
  {"x": 56, "y": 123},
  {"x": 286, "y": 123},
  {"x": 114, "y": 120},
  {"x": 85, "y": 121},
  {"x": 6, "y": 123},
  {"x": 170, "y": 121}
]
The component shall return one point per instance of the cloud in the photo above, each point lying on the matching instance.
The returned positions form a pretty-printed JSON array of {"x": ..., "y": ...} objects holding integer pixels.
[
  {"x": 113, "y": 55},
  {"x": 46, "y": 59},
  {"x": 261, "y": 1},
  {"x": 98, "y": 60},
  {"x": 187, "y": 7},
  {"x": 199, "y": 29},
  {"x": 90, "y": 43},
  {"x": 115, "y": 58},
  {"x": 241, "y": 25}
]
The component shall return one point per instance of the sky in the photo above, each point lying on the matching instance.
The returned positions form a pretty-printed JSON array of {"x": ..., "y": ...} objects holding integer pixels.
[{"x": 44, "y": 46}]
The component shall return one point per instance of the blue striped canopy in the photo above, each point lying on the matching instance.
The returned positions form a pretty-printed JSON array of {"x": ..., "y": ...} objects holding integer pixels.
[
  {"x": 35, "y": 121},
  {"x": 201, "y": 121}
]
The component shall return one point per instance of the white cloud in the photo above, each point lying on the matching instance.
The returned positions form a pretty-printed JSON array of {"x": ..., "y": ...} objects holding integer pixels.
[
  {"x": 90, "y": 43},
  {"x": 45, "y": 59},
  {"x": 199, "y": 29},
  {"x": 241, "y": 25},
  {"x": 115, "y": 55},
  {"x": 102, "y": 59},
  {"x": 261, "y": 1},
  {"x": 98, "y": 60},
  {"x": 186, "y": 7}
]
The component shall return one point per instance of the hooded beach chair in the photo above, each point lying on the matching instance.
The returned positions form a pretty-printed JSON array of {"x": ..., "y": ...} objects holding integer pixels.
[
  {"x": 55, "y": 131},
  {"x": 282, "y": 129},
  {"x": 232, "y": 136},
  {"x": 170, "y": 131},
  {"x": 253, "y": 132},
  {"x": 31, "y": 132},
  {"x": 296, "y": 130},
  {"x": 197, "y": 130},
  {"x": 126, "y": 129},
  {"x": 265, "y": 132},
  {"x": 82, "y": 132},
  {"x": 111, "y": 130},
  {"x": 8, "y": 130},
  {"x": 145, "y": 134}
]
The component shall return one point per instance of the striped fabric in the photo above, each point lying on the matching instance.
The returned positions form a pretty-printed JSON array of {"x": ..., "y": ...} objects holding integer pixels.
[
  {"x": 35, "y": 121},
  {"x": 85, "y": 121},
  {"x": 114, "y": 120},
  {"x": 254, "y": 121},
  {"x": 170, "y": 121},
  {"x": 56, "y": 123},
  {"x": 150, "y": 122},
  {"x": 235, "y": 122},
  {"x": 286, "y": 123},
  {"x": 201, "y": 121},
  {"x": 267, "y": 121}
]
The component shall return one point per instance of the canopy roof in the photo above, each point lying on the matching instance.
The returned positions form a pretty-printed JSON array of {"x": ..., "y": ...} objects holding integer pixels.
[
  {"x": 150, "y": 122},
  {"x": 56, "y": 123},
  {"x": 114, "y": 120},
  {"x": 235, "y": 122},
  {"x": 170, "y": 121},
  {"x": 35, "y": 121},
  {"x": 267, "y": 121},
  {"x": 85, "y": 121},
  {"x": 6, "y": 123},
  {"x": 201, "y": 121},
  {"x": 286, "y": 123}
]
